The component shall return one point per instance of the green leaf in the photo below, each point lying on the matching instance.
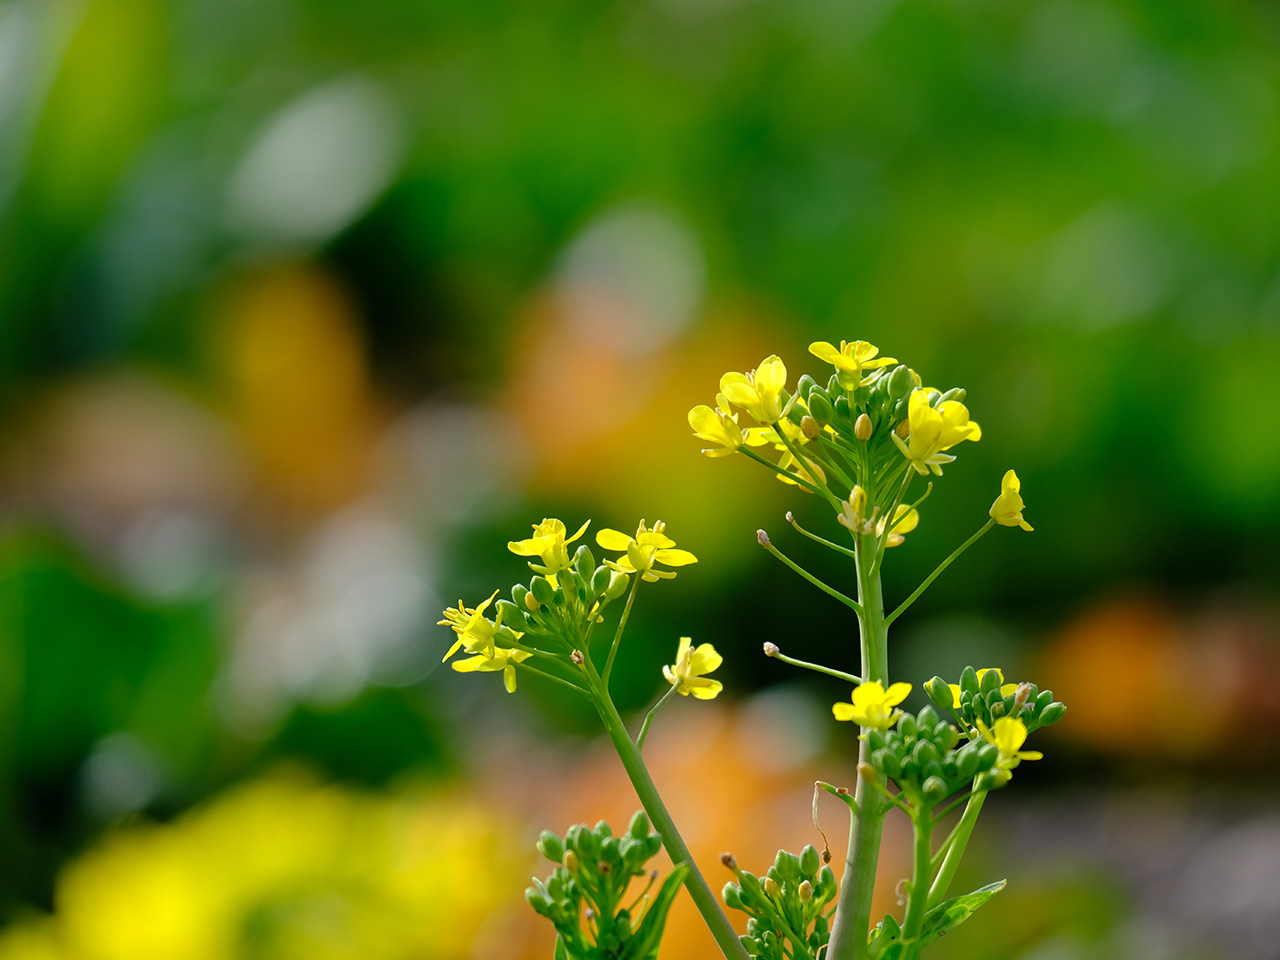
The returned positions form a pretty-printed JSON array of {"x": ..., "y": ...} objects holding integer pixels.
[
  {"x": 645, "y": 942},
  {"x": 949, "y": 914},
  {"x": 884, "y": 937}
]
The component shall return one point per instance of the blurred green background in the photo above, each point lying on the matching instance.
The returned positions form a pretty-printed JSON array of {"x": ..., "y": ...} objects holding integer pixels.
[{"x": 308, "y": 307}]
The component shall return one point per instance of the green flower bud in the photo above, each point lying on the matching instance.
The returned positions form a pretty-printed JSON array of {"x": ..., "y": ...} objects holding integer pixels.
[
  {"x": 622, "y": 925},
  {"x": 771, "y": 887},
  {"x": 969, "y": 681},
  {"x": 571, "y": 861},
  {"x": 550, "y": 846},
  {"x": 787, "y": 866},
  {"x": 1052, "y": 713},
  {"x": 939, "y": 692},
  {"x": 584, "y": 562},
  {"x": 990, "y": 682},
  {"x": 842, "y": 407},
  {"x": 639, "y": 826},
  {"x": 600, "y": 580},
  {"x": 1043, "y": 699},
  {"x": 875, "y": 739},
  {"x": 862, "y": 427},
  {"x": 955, "y": 393},
  {"x": 935, "y": 788},
  {"x": 618, "y": 585},
  {"x": 537, "y": 901},
  {"x": 892, "y": 766},
  {"x": 732, "y": 896},
  {"x": 750, "y": 944},
  {"x": 809, "y": 862},
  {"x": 907, "y": 726},
  {"x": 820, "y": 406},
  {"x": 805, "y": 384},
  {"x": 512, "y": 616},
  {"x": 900, "y": 382},
  {"x": 988, "y": 754},
  {"x": 602, "y": 829},
  {"x": 967, "y": 761},
  {"x": 805, "y": 891},
  {"x": 924, "y": 753},
  {"x": 927, "y": 718},
  {"x": 542, "y": 590}
]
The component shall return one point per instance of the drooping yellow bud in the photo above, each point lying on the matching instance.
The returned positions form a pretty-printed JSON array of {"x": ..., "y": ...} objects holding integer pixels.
[{"x": 862, "y": 427}]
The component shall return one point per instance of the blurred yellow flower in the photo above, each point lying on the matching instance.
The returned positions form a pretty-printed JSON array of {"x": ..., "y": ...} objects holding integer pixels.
[
  {"x": 288, "y": 869},
  {"x": 1008, "y": 734},
  {"x": 717, "y": 425},
  {"x": 641, "y": 552},
  {"x": 760, "y": 391},
  {"x": 1007, "y": 510},
  {"x": 905, "y": 519},
  {"x": 934, "y": 430},
  {"x": 497, "y": 659},
  {"x": 853, "y": 512},
  {"x": 686, "y": 674},
  {"x": 872, "y": 705},
  {"x": 549, "y": 543},
  {"x": 850, "y": 360}
]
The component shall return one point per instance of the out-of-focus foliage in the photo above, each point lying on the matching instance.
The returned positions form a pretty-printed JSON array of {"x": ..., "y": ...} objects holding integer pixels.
[{"x": 302, "y": 301}]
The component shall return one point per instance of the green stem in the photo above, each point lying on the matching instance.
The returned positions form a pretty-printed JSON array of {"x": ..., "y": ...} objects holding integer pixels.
[
  {"x": 551, "y": 676},
  {"x": 958, "y": 840},
  {"x": 853, "y": 909},
  {"x": 811, "y": 487},
  {"x": 832, "y": 591},
  {"x": 653, "y": 712},
  {"x": 651, "y": 800},
  {"x": 817, "y": 539},
  {"x": 902, "y": 608},
  {"x": 918, "y": 901},
  {"x": 617, "y": 636},
  {"x": 803, "y": 460},
  {"x": 817, "y": 667}
]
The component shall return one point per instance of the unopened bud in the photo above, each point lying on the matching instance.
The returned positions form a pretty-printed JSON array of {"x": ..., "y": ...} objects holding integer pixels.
[
  {"x": 571, "y": 861},
  {"x": 867, "y": 772},
  {"x": 762, "y": 538},
  {"x": 903, "y": 429},
  {"x": 729, "y": 860},
  {"x": 771, "y": 649},
  {"x": 771, "y": 887},
  {"x": 577, "y": 657},
  {"x": 806, "y": 891},
  {"x": 532, "y": 603},
  {"x": 810, "y": 427},
  {"x": 1021, "y": 696},
  {"x": 862, "y": 427}
]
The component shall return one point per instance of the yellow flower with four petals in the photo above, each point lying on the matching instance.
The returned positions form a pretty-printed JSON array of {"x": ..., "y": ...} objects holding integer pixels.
[
  {"x": 549, "y": 543},
  {"x": 850, "y": 360},
  {"x": 687, "y": 673},
  {"x": 719, "y": 426},
  {"x": 872, "y": 705},
  {"x": 933, "y": 430},
  {"x": 1008, "y": 734},
  {"x": 641, "y": 552},
  {"x": 760, "y": 391}
]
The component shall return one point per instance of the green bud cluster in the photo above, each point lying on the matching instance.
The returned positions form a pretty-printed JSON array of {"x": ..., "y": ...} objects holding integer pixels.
[
  {"x": 596, "y": 869},
  {"x": 787, "y": 907},
  {"x": 563, "y": 611},
  {"x": 982, "y": 700},
  {"x": 921, "y": 755}
]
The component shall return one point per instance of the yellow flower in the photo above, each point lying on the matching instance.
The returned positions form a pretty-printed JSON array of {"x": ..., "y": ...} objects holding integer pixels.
[
  {"x": 934, "y": 430},
  {"x": 497, "y": 659},
  {"x": 1008, "y": 734},
  {"x": 804, "y": 469},
  {"x": 475, "y": 631},
  {"x": 1007, "y": 510},
  {"x": 549, "y": 543},
  {"x": 760, "y": 391},
  {"x": 850, "y": 360},
  {"x": 686, "y": 674},
  {"x": 873, "y": 705},
  {"x": 718, "y": 425},
  {"x": 1005, "y": 688},
  {"x": 641, "y": 552},
  {"x": 905, "y": 519}
]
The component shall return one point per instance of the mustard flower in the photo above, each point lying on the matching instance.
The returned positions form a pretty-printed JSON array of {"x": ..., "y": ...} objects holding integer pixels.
[
  {"x": 760, "y": 391},
  {"x": 1005, "y": 688},
  {"x": 475, "y": 631},
  {"x": 905, "y": 519},
  {"x": 641, "y": 552},
  {"x": 933, "y": 430},
  {"x": 687, "y": 673},
  {"x": 1007, "y": 510},
  {"x": 873, "y": 705},
  {"x": 853, "y": 512},
  {"x": 1008, "y": 734},
  {"x": 498, "y": 659},
  {"x": 717, "y": 425},
  {"x": 803, "y": 469},
  {"x": 549, "y": 543},
  {"x": 850, "y": 360}
]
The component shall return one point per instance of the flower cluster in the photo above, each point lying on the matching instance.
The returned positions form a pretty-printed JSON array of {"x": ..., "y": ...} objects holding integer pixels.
[
  {"x": 587, "y": 896},
  {"x": 788, "y": 907},
  {"x": 855, "y": 440}
]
